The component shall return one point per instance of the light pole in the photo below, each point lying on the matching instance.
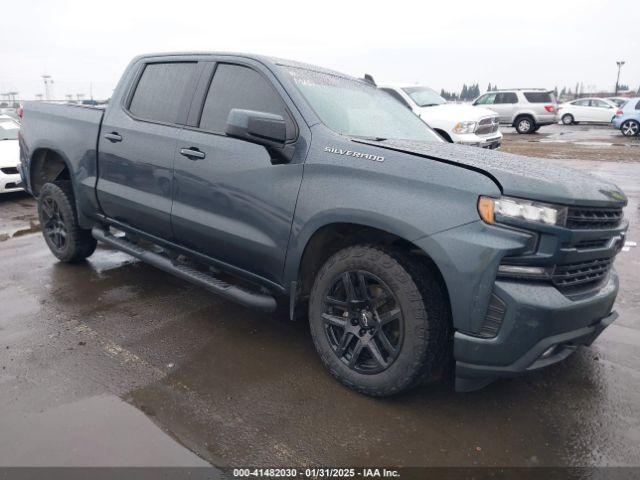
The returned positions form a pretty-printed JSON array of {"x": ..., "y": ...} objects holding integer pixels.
[{"x": 620, "y": 64}]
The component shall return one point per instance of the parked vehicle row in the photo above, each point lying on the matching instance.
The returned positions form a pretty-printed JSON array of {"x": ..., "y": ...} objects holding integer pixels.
[
  {"x": 317, "y": 191},
  {"x": 455, "y": 123},
  {"x": 9, "y": 154}
]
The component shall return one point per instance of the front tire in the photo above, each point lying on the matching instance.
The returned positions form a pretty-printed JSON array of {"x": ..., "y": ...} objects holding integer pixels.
[
  {"x": 379, "y": 320},
  {"x": 630, "y": 128},
  {"x": 59, "y": 223},
  {"x": 567, "y": 119},
  {"x": 525, "y": 125}
]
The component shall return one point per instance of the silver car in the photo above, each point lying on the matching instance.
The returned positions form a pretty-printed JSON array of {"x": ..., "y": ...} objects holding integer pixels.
[{"x": 525, "y": 109}]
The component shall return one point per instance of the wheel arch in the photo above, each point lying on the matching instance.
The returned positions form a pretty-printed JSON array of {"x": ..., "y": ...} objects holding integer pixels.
[
  {"x": 329, "y": 238},
  {"x": 47, "y": 165},
  {"x": 527, "y": 114}
]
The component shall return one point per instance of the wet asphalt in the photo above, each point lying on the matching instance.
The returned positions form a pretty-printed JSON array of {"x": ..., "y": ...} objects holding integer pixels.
[{"x": 112, "y": 362}]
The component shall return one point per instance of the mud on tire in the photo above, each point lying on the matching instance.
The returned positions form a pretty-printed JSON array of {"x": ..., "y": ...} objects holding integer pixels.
[
  {"x": 424, "y": 347},
  {"x": 59, "y": 223}
]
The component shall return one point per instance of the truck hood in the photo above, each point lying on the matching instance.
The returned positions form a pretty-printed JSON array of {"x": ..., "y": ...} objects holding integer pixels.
[
  {"x": 517, "y": 175},
  {"x": 455, "y": 112},
  {"x": 9, "y": 153}
]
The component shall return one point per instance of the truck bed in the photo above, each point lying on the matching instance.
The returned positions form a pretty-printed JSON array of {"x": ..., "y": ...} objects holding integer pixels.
[{"x": 49, "y": 125}]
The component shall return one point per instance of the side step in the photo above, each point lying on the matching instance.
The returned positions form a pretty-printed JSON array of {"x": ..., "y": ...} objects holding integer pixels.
[{"x": 255, "y": 300}]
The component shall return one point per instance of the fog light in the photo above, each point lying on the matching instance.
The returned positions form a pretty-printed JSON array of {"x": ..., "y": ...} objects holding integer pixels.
[{"x": 521, "y": 271}]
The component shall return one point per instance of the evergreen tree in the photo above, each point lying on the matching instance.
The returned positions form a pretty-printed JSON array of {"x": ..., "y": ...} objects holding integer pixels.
[{"x": 489, "y": 87}]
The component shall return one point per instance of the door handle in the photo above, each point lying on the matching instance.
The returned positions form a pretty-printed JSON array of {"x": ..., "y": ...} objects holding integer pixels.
[
  {"x": 192, "y": 153},
  {"x": 113, "y": 137}
]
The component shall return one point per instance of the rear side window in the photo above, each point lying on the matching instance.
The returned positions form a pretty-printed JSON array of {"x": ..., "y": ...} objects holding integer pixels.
[
  {"x": 235, "y": 86},
  {"x": 538, "y": 97},
  {"x": 160, "y": 91},
  {"x": 638, "y": 105},
  {"x": 506, "y": 97}
]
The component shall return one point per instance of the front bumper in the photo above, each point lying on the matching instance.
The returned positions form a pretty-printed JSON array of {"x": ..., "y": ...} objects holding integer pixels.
[
  {"x": 541, "y": 327},
  {"x": 10, "y": 182},
  {"x": 491, "y": 141}
]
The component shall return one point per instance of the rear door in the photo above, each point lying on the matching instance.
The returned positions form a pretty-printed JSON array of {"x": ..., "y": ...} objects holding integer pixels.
[
  {"x": 581, "y": 110},
  {"x": 602, "y": 111},
  {"x": 137, "y": 146},
  {"x": 504, "y": 105},
  {"x": 232, "y": 202}
]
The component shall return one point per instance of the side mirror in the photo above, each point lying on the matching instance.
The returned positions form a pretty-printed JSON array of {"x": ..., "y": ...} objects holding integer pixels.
[{"x": 261, "y": 128}]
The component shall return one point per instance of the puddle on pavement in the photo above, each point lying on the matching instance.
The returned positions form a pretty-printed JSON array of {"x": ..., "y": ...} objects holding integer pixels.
[
  {"x": 18, "y": 232},
  {"x": 96, "y": 431}
]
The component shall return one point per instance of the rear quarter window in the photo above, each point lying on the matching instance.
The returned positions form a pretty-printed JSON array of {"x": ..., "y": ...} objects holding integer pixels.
[
  {"x": 160, "y": 91},
  {"x": 538, "y": 97}
]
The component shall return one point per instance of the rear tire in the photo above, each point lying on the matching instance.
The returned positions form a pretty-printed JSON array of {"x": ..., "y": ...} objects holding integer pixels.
[
  {"x": 630, "y": 128},
  {"x": 567, "y": 119},
  {"x": 525, "y": 125},
  {"x": 391, "y": 332},
  {"x": 59, "y": 223}
]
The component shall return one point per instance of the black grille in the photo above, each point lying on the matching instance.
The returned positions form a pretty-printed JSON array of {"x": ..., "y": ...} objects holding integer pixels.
[
  {"x": 588, "y": 244},
  {"x": 487, "y": 125},
  {"x": 9, "y": 170},
  {"x": 593, "y": 218},
  {"x": 579, "y": 276}
]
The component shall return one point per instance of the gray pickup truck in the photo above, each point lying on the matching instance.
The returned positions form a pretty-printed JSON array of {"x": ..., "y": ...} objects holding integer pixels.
[{"x": 271, "y": 182}]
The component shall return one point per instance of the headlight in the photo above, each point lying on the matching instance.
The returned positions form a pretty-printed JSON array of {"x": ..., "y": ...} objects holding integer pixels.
[
  {"x": 465, "y": 127},
  {"x": 521, "y": 209}
]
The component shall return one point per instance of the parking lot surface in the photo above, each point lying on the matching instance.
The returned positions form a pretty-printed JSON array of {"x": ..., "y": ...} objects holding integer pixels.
[{"x": 237, "y": 387}]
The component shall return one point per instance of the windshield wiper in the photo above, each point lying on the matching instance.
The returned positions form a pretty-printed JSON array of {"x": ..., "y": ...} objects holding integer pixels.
[{"x": 430, "y": 105}]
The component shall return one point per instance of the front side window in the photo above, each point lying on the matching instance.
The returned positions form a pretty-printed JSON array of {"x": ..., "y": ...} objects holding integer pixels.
[
  {"x": 424, "y": 96},
  {"x": 235, "y": 86},
  {"x": 354, "y": 108},
  {"x": 160, "y": 91},
  {"x": 487, "y": 99}
]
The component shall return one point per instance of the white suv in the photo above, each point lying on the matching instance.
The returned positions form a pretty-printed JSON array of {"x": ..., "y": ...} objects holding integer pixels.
[
  {"x": 525, "y": 109},
  {"x": 455, "y": 123}
]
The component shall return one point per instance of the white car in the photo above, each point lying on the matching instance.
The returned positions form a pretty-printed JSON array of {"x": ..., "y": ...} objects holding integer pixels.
[
  {"x": 9, "y": 154},
  {"x": 597, "y": 110},
  {"x": 456, "y": 123}
]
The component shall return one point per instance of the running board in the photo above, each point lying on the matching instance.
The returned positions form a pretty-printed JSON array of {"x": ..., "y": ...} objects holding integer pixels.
[{"x": 260, "y": 301}]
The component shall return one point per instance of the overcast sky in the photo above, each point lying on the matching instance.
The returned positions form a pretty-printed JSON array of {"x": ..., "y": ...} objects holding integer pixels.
[{"x": 441, "y": 44}]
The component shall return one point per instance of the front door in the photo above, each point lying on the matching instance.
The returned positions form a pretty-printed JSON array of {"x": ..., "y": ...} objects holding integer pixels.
[
  {"x": 137, "y": 146},
  {"x": 231, "y": 201}
]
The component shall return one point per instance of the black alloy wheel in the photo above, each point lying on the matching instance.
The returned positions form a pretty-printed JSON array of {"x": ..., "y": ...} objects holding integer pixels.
[
  {"x": 53, "y": 226},
  {"x": 363, "y": 322}
]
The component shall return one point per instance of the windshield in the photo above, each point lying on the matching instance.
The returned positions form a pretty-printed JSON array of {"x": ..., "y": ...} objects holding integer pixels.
[
  {"x": 424, "y": 96},
  {"x": 8, "y": 129},
  {"x": 357, "y": 109}
]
